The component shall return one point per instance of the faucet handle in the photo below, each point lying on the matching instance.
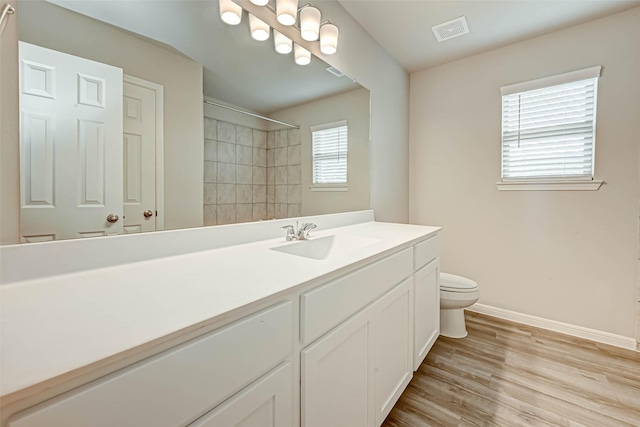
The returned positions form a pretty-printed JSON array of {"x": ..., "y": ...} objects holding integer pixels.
[{"x": 291, "y": 233}]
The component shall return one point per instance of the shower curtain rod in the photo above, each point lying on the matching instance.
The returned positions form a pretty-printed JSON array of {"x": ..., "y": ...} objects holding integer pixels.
[
  {"x": 7, "y": 9},
  {"x": 250, "y": 114}
]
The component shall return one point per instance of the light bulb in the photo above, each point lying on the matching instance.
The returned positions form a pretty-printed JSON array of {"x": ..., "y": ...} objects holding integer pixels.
[
  {"x": 287, "y": 11},
  {"x": 302, "y": 55},
  {"x": 260, "y": 2},
  {"x": 230, "y": 12},
  {"x": 282, "y": 43},
  {"x": 309, "y": 23},
  {"x": 328, "y": 39},
  {"x": 259, "y": 29}
]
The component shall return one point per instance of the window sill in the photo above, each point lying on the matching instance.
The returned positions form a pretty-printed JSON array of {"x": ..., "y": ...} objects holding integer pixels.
[
  {"x": 329, "y": 188},
  {"x": 549, "y": 185}
]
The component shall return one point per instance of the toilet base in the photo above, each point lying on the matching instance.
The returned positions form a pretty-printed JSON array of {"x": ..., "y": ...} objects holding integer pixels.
[{"x": 452, "y": 324}]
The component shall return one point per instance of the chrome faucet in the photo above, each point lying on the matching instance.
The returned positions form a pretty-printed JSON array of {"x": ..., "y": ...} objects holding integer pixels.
[{"x": 301, "y": 233}]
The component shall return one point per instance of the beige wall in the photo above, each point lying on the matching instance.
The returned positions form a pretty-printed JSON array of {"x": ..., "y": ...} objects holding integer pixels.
[
  {"x": 58, "y": 29},
  {"x": 568, "y": 256},
  {"x": 352, "y": 106},
  {"x": 9, "y": 136}
]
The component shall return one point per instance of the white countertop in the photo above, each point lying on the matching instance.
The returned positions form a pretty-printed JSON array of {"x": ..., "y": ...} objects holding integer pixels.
[{"x": 53, "y": 326}]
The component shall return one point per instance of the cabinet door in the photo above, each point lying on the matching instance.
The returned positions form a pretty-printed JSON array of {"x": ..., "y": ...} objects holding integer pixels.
[
  {"x": 426, "y": 310},
  {"x": 393, "y": 329},
  {"x": 265, "y": 403},
  {"x": 337, "y": 376}
]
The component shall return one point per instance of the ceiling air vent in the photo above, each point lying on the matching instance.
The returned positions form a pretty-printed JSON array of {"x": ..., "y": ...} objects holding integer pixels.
[
  {"x": 451, "y": 29},
  {"x": 335, "y": 71}
]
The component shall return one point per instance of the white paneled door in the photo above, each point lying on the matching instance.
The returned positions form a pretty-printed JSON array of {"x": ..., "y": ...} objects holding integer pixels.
[
  {"x": 70, "y": 146},
  {"x": 142, "y": 129}
]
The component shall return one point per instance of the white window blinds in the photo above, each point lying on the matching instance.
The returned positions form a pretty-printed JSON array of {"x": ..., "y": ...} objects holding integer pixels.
[
  {"x": 330, "y": 153},
  {"x": 548, "y": 127}
]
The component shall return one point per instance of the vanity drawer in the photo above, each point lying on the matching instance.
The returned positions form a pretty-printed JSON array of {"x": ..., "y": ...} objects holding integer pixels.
[
  {"x": 425, "y": 252},
  {"x": 179, "y": 385},
  {"x": 326, "y": 306}
]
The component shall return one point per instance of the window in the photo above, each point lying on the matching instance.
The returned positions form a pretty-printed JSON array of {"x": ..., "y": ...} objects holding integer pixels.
[
  {"x": 330, "y": 154},
  {"x": 548, "y": 131}
]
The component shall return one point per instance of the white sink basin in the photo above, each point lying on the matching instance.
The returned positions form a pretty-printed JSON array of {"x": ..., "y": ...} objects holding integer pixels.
[{"x": 325, "y": 247}]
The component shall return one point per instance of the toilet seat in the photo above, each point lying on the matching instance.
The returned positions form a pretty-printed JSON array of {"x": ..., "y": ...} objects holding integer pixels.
[{"x": 453, "y": 283}]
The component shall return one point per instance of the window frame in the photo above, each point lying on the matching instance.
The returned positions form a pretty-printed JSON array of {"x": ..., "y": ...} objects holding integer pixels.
[{"x": 550, "y": 183}]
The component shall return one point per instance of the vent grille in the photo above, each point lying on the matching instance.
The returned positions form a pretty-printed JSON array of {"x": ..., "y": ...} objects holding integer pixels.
[
  {"x": 451, "y": 29},
  {"x": 335, "y": 71}
]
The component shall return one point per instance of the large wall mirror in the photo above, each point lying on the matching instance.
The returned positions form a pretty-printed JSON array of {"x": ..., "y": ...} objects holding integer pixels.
[{"x": 179, "y": 162}]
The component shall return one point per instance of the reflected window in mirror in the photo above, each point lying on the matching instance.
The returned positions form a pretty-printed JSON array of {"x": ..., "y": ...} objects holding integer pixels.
[{"x": 329, "y": 151}]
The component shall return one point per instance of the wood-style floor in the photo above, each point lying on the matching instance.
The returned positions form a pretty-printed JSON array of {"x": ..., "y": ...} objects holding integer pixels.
[{"x": 507, "y": 374}]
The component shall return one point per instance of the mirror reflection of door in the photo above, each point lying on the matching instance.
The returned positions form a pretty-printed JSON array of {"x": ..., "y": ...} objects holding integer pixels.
[
  {"x": 71, "y": 155},
  {"x": 142, "y": 145},
  {"x": 82, "y": 173}
]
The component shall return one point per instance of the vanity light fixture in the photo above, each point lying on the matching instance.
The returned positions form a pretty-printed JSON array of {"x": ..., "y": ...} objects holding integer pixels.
[
  {"x": 287, "y": 11},
  {"x": 328, "y": 38},
  {"x": 259, "y": 29},
  {"x": 282, "y": 43},
  {"x": 309, "y": 23},
  {"x": 230, "y": 12},
  {"x": 302, "y": 55}
]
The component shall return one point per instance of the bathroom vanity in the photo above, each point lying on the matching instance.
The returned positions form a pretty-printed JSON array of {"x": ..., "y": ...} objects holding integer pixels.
[{"x": 233, "y": 326}]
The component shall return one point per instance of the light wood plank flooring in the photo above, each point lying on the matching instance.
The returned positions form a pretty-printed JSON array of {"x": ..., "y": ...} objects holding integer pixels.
[{"x": 507, "y": 374}]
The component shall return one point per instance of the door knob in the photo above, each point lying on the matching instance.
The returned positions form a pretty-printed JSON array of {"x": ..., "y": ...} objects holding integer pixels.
[
  {"x": 112, "y": 218},
  {"x": 148, "y": 213}
]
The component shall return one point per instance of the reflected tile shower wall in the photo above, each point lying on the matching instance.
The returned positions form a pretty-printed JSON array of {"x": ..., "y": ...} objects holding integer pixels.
[
  {"x": 284, "y": 175},
  {"x": 250, "y": 174}
]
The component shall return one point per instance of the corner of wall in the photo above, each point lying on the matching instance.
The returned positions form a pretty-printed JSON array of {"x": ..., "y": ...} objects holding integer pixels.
[{"x": 9, "y": 132}]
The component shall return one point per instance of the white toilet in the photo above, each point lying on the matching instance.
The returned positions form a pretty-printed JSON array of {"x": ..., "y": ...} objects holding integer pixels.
[{"x": 456, "y": 294}]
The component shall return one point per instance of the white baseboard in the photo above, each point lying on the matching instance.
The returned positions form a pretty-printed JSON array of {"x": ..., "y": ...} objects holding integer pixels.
[{"x": 552, "y": 325}]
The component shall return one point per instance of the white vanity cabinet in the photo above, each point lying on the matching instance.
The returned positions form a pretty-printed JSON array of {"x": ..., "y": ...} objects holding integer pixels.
[
  {"x": 393, "y": 336},
  {"x": 177, "y": 386},
  {"x": 265, "y": 403},
  {"x": 333, "y": 351},
  {"x": 325, "y": 306},
  {"x": 336, "y": 376},
  {"x": 353, "y": 375},
  {"x": 426, "y": 298}
]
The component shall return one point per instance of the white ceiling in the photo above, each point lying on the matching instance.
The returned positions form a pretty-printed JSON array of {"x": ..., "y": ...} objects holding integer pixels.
[{"x": 403, "y": 28}]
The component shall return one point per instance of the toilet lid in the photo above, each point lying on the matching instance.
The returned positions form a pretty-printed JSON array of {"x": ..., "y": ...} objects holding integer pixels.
[{"x": 453, "y": 283}]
